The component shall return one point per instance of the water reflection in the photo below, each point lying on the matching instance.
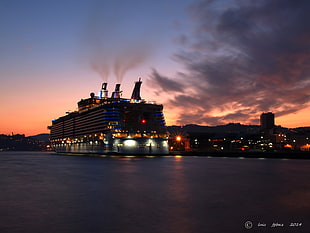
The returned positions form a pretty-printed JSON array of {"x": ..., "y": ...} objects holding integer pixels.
[
  {"x": 178, "y": 157},
  {"x": 179, "y": 217},
  {"x": 295, "y": 196},
  {"x": 43, "y": 193}
]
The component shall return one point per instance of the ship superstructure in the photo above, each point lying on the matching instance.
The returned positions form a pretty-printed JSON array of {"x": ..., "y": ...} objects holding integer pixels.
[{"x": 104, "y": 125}]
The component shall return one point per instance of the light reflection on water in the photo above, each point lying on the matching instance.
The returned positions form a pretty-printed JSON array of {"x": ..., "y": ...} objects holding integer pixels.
[{"x": 43, "y": 192}]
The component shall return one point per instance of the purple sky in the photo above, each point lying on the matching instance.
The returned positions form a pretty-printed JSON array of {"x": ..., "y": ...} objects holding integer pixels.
[{"x": 208, "y": 62}]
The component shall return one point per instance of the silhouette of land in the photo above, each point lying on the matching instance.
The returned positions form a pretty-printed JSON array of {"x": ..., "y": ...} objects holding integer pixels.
[{"x": 18, "y": 142}]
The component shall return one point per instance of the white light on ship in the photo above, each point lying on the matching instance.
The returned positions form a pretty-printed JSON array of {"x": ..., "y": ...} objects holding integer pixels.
[{"x": 130, "y": 143}]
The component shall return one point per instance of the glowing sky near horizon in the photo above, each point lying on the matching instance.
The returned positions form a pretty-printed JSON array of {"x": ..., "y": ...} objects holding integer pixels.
[{"x": 208, "y": 62}]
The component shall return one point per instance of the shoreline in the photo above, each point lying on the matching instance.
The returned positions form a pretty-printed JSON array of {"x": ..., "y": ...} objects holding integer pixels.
[
  {"x": 215, "y": 154},
  {"x": 246, "y": 154}
]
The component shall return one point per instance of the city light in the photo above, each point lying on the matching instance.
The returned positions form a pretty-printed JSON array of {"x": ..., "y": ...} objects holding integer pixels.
[
  {"x": 288, "y": 146},
  {"x": 305, "y": 147}
]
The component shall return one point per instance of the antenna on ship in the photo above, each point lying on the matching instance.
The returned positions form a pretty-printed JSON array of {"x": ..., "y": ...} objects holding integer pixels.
[{"x": 136, "y": 91}]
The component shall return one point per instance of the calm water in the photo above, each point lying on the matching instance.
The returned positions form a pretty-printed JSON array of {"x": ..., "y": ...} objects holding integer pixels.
[{"x": 49, "y": 193}]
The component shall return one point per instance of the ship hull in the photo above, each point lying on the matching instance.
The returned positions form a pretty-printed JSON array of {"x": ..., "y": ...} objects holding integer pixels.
[{"x": 122, "y": 146}]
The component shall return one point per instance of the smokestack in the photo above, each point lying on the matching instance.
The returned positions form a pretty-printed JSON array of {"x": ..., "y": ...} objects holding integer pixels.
[
  {"x": 136, "y": 91},
  {"x": 117, "y": 93},
  {"x": 104, "y": 91}
]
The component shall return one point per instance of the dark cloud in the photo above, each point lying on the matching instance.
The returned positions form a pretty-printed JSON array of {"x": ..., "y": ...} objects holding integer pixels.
[
  {"x": 243, "y": 58},
  {"x": 165, "y": 83}
]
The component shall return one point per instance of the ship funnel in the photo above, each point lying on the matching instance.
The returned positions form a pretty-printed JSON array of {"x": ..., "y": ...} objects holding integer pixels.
[
  {"x": 117, "y": 93},
  {"x": 104, "y": 91},
  {"x": 136, "y": 91}
]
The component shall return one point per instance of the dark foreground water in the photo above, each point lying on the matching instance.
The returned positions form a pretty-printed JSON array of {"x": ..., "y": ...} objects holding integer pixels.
[{"x": 48, "y": 193}]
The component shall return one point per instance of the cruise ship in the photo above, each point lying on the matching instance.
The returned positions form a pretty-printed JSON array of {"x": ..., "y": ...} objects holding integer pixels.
[{"x": 112, "y": 125}]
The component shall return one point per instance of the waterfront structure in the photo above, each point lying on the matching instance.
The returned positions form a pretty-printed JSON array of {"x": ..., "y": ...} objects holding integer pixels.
[
  {"x": 237, "y": 137},
  {"x": 112, "y": 125},
  {"x": 267, "y": 121}
]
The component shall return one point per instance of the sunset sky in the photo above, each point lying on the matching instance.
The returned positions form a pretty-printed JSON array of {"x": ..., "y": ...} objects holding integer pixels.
[{"x": 209, "y": 62}]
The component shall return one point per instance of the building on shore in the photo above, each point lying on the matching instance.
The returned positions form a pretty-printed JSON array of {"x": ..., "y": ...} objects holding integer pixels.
[{"x": 237, "y": 137}]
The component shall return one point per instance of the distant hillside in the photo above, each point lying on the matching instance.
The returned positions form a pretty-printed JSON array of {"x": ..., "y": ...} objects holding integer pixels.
[
  {"x": 217, "y": 131},
  {"x": 18, "y": 142},
  {"x": 41, "y": 137}
]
